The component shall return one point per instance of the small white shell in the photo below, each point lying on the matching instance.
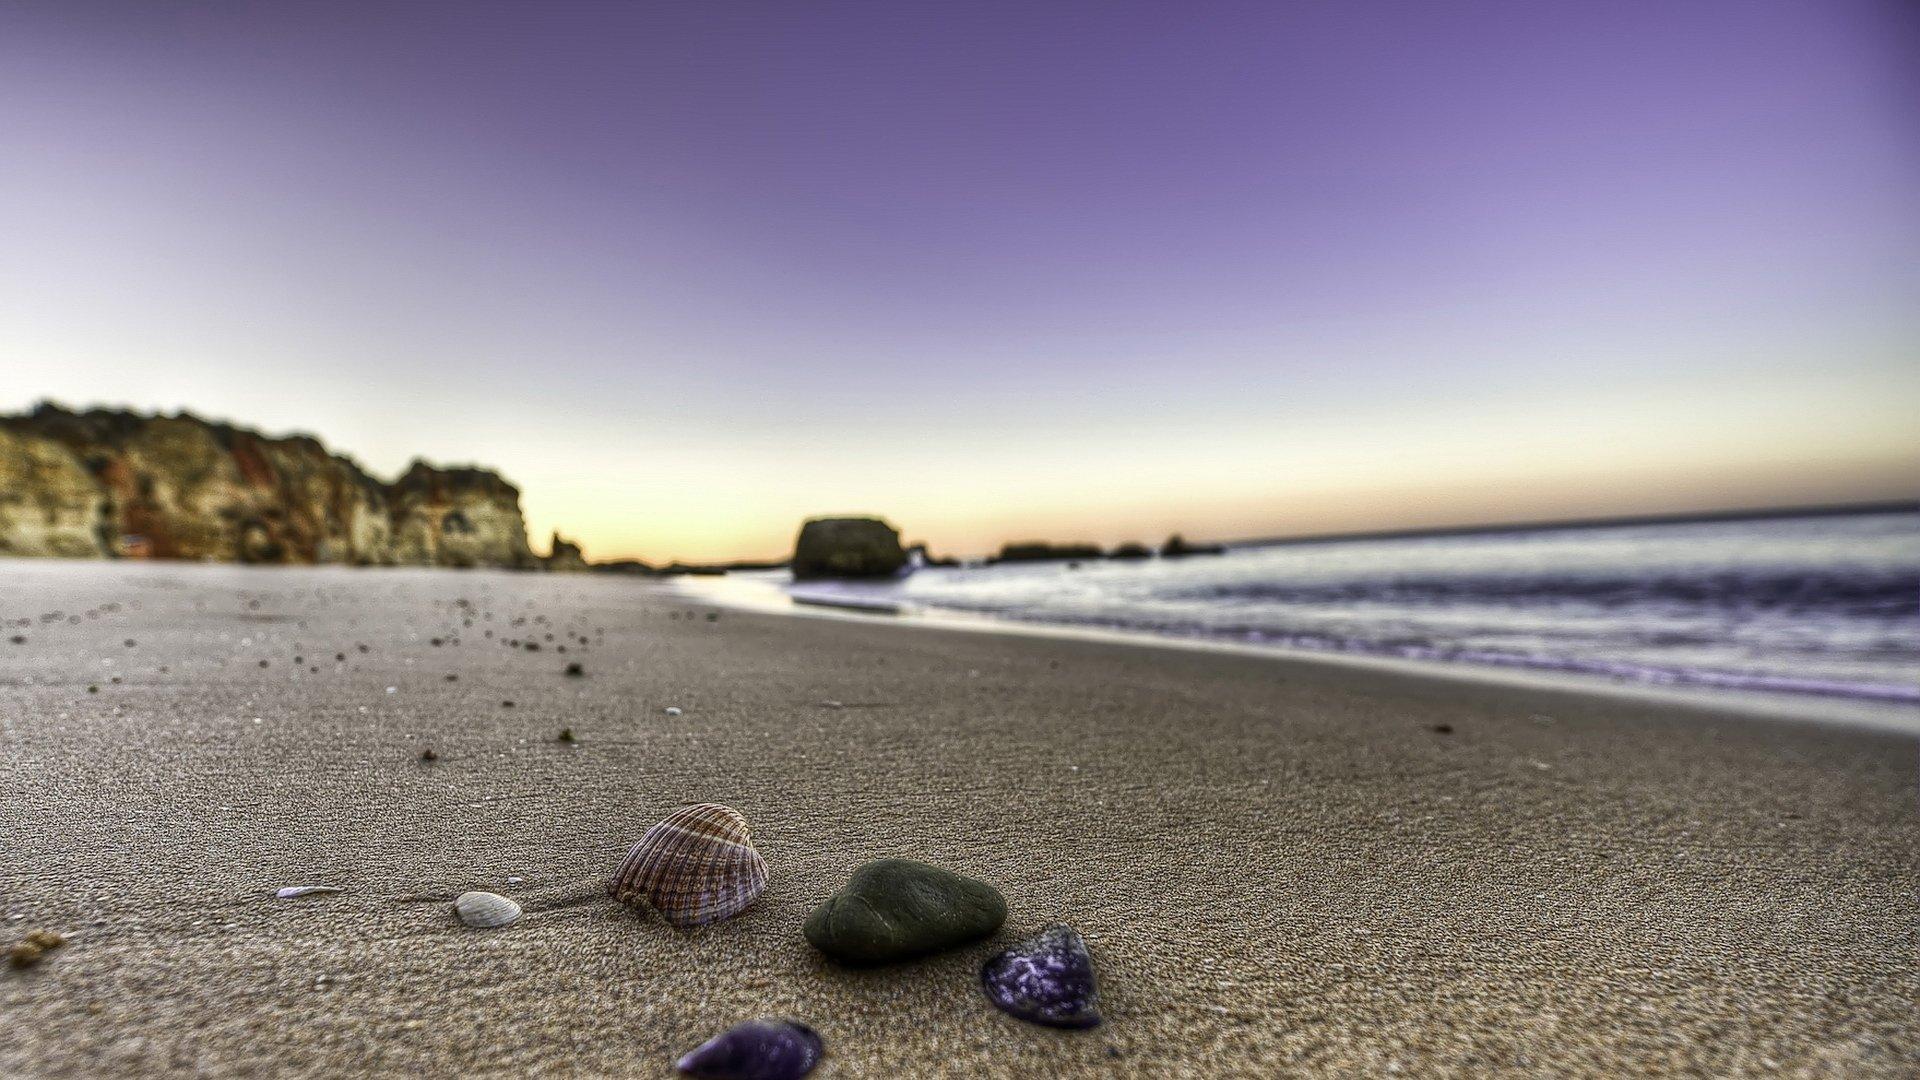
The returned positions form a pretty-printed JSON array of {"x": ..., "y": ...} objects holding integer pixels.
[
  {"x": 485, "y": 910},
  {"x": 294, "y": 891}
]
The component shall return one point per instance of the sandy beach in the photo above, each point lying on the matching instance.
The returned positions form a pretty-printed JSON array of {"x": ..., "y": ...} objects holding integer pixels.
[{"x": 1282, "y": 867}]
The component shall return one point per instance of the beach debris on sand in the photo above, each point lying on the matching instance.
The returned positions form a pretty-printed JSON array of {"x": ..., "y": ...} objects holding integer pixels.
[
  {"x": 485, "y": 910},
  {"x": 756, "y": 1050},
  {"x": 294, "y": 892},
  {"x": 698, "y": 866},
  {"x": 1047, "y": 979},
  {"x": 33, "y": 948},
  {"x": 897, "y": 909}
]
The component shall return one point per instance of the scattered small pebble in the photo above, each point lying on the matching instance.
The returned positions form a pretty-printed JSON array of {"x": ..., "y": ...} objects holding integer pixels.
[
  {"x": 33, "y": 948},
  {"x": 1443, "y": 729},
  {"x": 566, "y": 735},
  {"x": 673, "y": 710},
  {"x": 429, "y": 755},
  {"x": 576, "y": 670}
]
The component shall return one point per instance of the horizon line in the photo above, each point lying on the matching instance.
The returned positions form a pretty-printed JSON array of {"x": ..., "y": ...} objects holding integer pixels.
[{"x": 1745, "y": 513}]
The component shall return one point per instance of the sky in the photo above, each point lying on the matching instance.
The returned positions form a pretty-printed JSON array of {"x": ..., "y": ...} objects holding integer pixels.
[{"x": 690, "y": 273}]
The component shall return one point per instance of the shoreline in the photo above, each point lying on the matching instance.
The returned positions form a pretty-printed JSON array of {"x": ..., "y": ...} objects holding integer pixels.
[
  {"x": 1896, "y": 715},
  {"x": 1280, "y": 868}
]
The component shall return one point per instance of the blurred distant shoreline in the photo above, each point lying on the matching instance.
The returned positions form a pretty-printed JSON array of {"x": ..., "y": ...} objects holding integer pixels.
[
  {"x": 1823, "y": 604},
  {"x": 120, "y": 484},
  {"x": 1763, "y": 513}
]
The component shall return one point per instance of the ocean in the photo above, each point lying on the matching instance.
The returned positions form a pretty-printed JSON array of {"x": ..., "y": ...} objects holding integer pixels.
[{"x": 1819, "y": 605}]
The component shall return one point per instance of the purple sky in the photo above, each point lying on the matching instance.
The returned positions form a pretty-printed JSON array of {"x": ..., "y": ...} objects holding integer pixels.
[{"x": 688, "y": 272}]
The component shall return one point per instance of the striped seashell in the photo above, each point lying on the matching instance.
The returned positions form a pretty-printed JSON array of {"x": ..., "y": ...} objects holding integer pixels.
[{"x": 696, "y": 867}]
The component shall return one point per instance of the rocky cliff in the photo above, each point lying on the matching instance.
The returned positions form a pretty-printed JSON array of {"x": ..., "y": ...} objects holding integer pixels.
[{"x": 112, "y": 484}]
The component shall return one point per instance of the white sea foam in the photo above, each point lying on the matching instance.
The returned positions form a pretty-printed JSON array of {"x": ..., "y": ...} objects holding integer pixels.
[{"x": 1826, "y": 605}]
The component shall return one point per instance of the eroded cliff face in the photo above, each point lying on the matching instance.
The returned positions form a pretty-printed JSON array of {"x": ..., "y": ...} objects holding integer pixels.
[
  {"x": 49, "y": 504},
  {"x": 118, "y": 484},
  {"x": 457, "y": 517}
]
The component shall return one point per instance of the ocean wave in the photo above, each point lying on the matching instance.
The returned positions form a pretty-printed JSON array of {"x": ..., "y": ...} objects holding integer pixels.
[
  {"x": 1827, "y": 606},
  {"x": 1429, "y": 650},
  {"x": 1890, "y": 595}
]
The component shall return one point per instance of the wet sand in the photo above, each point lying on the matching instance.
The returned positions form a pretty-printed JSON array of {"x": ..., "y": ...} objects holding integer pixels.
[{"x": 1281, "y": 866}]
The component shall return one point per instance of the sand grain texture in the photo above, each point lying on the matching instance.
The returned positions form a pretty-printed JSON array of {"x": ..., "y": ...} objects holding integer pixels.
[{"x": 1280, "y": 867}]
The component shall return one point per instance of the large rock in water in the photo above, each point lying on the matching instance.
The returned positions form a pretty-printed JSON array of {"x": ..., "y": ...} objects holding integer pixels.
[
  {"x": 107, "y": 483},
  {"x": 848, "y": 548},
  {"x": 897, "y": 909}
]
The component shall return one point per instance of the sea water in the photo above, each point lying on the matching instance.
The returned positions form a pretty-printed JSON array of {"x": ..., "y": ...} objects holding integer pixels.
[{"x": 1816, "y": 605}]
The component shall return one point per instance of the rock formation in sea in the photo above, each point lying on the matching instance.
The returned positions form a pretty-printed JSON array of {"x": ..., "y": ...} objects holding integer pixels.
[
  {"x": 624, "y": 566},
  {"x": 1177, "y": 547},
  {"x": 847, "y": 548},
  {"x": 919, "y": 555},
  {"x": 565, "y": 557},
  {"x": 116, "y": 484},
  {"x": 1043, "y": 551}
]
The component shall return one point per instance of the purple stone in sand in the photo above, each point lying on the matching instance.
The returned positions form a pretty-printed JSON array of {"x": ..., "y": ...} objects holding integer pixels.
[
  {"x": 756, "y": 1050},
  {"x": 1047, "y": 979}
]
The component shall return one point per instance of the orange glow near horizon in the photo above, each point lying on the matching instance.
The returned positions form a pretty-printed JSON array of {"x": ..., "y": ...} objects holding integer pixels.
[
  {"x": 1557, "y": 471},
  {"x": 1283, "y": 271}
]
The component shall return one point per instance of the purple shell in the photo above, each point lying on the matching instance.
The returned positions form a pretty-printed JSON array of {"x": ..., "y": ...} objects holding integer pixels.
[
  {"x": 756, "y": 1050},
  {"x": 1047, "y": 979}
]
